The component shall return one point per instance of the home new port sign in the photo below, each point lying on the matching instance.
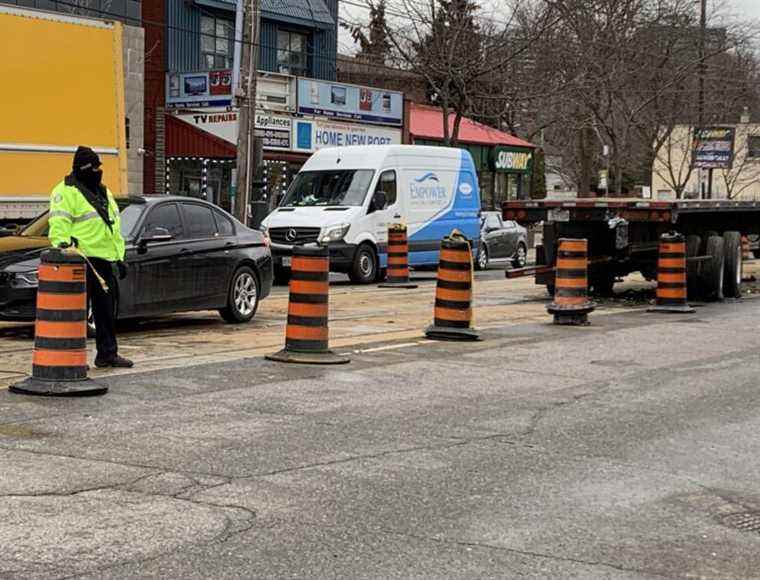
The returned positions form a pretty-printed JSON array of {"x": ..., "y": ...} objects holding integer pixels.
[{"x": 511, "y": 160}]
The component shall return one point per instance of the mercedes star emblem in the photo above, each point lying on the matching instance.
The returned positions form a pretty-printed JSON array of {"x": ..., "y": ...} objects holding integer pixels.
[{"x": 291, "y": 235}]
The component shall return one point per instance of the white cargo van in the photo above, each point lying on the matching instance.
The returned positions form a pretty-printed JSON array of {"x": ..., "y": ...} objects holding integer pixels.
[{"x": 346, "y": 197}]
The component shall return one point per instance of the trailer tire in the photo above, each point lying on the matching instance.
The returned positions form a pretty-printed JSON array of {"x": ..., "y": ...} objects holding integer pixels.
[
  {"x": 711, "y": 277},
  {"x": 693, "y": 244},
  {"x": 732, "y": 272},
  {"x": 708, "y": 234}
]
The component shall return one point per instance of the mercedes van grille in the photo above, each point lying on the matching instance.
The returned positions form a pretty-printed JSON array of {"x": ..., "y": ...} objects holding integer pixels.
[{"x": 293, "y": 236}]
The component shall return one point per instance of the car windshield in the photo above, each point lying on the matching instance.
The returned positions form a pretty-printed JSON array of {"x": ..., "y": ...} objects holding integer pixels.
[
  {"x": 130, "y": 213},
  {"x": 345, "y": 187}
]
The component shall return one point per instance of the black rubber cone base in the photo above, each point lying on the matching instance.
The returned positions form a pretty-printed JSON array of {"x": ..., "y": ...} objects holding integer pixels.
[
  {"x": 571, "y": 316},
  {"x": 397, "y": 285},
  {"x": 308, "y": 358},
  {"x": 673, "y": 309},
  {"x": 434, "y": 332},
  {"x": 85, "y": 388}
]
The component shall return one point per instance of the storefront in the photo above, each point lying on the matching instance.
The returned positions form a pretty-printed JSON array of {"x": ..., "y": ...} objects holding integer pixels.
[{"x": 503, "y": 162}]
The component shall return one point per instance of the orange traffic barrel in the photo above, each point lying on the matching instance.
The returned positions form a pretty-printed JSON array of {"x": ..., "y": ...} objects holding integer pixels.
[
  {"x": 59, "y": 360},
  {"x": 452, "y": 315},
  {"x": 671, "y": 275},
  {"x": 398, "y": 258},
  {"x": 306, "y": 333},
  {"x": 571, "y": 305}
]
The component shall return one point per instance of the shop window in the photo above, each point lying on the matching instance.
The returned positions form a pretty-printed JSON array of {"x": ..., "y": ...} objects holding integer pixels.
[
  {"x": 217, "y": 36},
  {"x": 292, "y": 57},
  {"x": 753, "y": 147},
  {"x": 199, "y": 220},
  {"x": 164, "y": 216},
  {"x": 387, "y": 184}
]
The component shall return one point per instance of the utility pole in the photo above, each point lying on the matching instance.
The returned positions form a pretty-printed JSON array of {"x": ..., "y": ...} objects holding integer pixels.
[
  {"x": 246, "y": 166},
  {"x": 701, "y": 105}
]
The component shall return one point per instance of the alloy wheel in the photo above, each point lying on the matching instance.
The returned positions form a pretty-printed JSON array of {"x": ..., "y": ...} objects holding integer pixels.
[{"x": 245, "y": 294}]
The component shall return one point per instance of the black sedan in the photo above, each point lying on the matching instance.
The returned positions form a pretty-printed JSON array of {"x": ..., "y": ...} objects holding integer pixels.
[
  {"x": 501, "y": 240},
  {"x": 182, "y": 255}
]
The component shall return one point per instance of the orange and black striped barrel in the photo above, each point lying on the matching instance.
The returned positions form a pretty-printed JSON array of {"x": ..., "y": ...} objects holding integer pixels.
[
  {"x": 398, "y": 258},
  {"x": 571, "y": 304},
  {"x": 60, "y": 333},
  {"x": 452, "y": 315},
  {"x": 398, "y": 254},
  {"x": 671, "y": 275},
  {"x": 307, "y": 329},
  {"x": 306, "y": 333}
]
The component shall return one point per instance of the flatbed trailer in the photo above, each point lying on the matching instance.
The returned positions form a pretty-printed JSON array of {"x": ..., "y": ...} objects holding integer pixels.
[{"x": 623, "y": 237}]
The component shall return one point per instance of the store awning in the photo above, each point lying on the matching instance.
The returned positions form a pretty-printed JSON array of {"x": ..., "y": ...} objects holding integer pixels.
[
  {"x": 184, "y": 140},
  {"x": 427, "y": 123}
]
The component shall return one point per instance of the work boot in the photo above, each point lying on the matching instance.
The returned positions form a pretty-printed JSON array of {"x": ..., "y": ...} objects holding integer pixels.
[{"x": 116, "y": 361}]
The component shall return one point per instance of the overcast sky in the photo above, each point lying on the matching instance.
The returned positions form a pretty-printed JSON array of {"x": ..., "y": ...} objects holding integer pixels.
[{"x": 744, "y": 9}]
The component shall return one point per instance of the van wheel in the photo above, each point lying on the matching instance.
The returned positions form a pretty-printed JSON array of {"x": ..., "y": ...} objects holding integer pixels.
[{"x": 364, "y": 269}]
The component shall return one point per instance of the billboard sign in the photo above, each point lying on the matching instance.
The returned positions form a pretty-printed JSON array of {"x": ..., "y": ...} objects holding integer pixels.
[
  {"x": 199, "y": 89},
  {"x": 713, "y": 147},
  {"x": 310, "y": 135},
  {"x": 274, "y": 130},
  {"x": 350, "y": 102}
]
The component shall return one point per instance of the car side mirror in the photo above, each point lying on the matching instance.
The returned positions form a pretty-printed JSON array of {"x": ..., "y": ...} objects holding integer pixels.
[
  {"x": 379, "y": 201},
  {"x": 153, "y": 236}
]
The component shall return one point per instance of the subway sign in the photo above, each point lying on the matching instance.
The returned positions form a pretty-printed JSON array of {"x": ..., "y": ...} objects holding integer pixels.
[{"x": 511, "y": 159}]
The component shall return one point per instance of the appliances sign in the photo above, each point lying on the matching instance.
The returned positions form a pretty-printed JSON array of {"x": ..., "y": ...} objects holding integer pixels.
[
  {"x": 349, "y": 102},
  {"x": 318, "y": 134}
]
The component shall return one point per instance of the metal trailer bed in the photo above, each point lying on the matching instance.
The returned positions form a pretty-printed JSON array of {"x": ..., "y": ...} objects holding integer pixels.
[{"x": 623, "y": 236}]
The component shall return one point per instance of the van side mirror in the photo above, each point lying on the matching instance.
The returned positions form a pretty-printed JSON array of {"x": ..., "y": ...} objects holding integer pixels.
[{"x": 379, "y": 201}]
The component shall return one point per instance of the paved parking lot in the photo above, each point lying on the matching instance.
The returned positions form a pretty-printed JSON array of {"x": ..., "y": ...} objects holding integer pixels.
[{"x": 625, "y": 449}]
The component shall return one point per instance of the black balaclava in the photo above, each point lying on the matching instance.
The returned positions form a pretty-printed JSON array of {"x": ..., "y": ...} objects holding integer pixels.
[{"x": 86, "y": 168}]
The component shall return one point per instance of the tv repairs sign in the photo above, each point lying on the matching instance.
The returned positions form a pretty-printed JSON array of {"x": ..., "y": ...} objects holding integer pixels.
[
  {"x": 275, "y": 130},
  {"x": 713, "y": 148},
  {"x": 350, "y": 102},
  {"x": 310, "y": 135}
]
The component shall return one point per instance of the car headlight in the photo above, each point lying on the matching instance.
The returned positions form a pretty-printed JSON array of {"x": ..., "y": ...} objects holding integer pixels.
[
  {"x": 27, "y": 279},
  {"x": 334, "y": 233}
]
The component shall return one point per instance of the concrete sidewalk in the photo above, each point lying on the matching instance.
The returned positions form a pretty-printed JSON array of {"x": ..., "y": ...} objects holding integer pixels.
[{"x": 624, "y": 449}]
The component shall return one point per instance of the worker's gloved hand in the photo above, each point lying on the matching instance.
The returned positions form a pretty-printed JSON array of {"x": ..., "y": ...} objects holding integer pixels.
[
  {"x": 68, "y": 249},
  {"x": 122, "y": 268}
]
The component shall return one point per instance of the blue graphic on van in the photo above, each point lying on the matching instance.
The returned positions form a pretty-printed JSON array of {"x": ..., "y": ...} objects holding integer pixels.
[
  {"x": 429, "y": 175},
  {"x": 462, "y": 214}
]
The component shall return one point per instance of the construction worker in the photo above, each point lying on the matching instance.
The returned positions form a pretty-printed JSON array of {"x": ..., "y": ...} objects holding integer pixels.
[{"x": 84, "y": 215}]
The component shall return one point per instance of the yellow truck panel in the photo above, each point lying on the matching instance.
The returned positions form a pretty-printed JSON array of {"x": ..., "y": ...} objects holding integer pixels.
[{"x": 66, "y": 81}]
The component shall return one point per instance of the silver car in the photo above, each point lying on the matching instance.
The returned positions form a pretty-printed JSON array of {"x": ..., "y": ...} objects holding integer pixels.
[{"x": 500, "y": 241}]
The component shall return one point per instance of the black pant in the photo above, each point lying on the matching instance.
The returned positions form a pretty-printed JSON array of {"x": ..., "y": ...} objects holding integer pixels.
[{"x": 103, "y": 307}]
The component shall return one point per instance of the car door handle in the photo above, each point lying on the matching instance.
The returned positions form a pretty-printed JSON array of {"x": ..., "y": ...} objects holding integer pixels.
[
  {"x": 397, "y": 216},
  {"x": 229, "y": 244},
  {"x": 184, "y": 251}
]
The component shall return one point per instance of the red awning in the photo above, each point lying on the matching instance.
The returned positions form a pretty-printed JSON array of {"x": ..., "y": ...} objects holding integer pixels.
[
  {"x": 184, "y": 140},
  {"x": 427, "y": 123}
]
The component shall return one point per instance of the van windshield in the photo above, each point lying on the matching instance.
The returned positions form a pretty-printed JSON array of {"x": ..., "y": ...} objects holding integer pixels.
[{"x": 345, "y": 187}]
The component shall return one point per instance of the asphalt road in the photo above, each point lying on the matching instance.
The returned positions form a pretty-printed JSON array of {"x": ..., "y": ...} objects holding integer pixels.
[{"x": 626, "y": 449}]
